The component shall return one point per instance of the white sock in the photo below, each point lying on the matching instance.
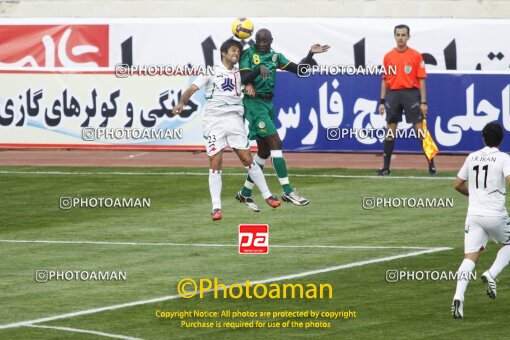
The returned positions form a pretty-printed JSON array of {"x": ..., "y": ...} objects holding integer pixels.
[
  {"x": 258, "y": 178},
  {"x": 215, "y": 188},
  {"x": 501, "y": 261},
  {"x": 259, "y": 160},
  {"x": 465, "y": 269}
]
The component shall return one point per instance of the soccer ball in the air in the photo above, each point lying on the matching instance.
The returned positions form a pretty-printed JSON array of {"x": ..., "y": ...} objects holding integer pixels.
[{"x": 242, "y": 28}]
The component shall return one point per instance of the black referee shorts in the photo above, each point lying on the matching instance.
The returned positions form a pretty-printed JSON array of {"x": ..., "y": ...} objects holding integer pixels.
[{"x": 406, "y": 100}]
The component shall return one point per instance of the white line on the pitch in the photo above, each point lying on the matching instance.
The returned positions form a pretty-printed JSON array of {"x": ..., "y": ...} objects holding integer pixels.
[
  {"x": 77, "y": 330},
  {"x": 273, "y": 279},
  {"x": 124, "y": 173},
  {"x": 208, "y": 244}
]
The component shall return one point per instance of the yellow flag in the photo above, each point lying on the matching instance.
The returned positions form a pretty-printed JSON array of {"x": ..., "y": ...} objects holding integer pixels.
[{"x": 429, "y": 147}]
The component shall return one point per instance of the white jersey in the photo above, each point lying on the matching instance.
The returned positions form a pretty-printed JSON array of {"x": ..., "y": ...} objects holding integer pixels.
[
  {"x": 222, "y": 91},
  {"x": 486, "y": 170}
]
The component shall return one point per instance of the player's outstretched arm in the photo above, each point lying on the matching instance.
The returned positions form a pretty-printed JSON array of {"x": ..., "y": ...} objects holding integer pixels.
[
  {"x": 177, "y": 110},
  {"x": 316, "y": 48},
  {"x": 460, "y": 185}
]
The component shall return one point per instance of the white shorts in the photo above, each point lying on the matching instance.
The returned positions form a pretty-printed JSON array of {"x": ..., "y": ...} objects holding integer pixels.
[
  {"x": 479, "y": 228},
  {"x": 223, "y": 130}
]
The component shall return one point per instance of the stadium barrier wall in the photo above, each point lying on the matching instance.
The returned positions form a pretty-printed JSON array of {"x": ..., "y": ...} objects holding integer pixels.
[{"x": 318, "y": 113}]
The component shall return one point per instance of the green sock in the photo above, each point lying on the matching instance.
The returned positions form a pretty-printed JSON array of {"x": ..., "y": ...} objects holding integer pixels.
[
  {"x": 248, "y": 186},
  {"x": 281, "y": 170}
]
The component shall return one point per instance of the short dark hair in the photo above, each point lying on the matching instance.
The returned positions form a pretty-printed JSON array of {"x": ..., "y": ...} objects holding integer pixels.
[
  {"x": 402, "y": 26},
  {"x": 492, "y": 134},
  {"x": 228, "y": 44}
]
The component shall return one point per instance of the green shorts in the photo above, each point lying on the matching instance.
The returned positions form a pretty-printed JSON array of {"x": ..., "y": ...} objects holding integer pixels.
[{"x": 260, "y": 115}]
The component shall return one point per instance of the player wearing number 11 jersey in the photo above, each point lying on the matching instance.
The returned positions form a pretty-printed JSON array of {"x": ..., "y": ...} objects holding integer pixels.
[{"x": 488, "y": 172}]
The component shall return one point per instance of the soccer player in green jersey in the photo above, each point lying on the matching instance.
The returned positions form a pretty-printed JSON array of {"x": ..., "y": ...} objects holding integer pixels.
[{"x": 258, "y": 70}]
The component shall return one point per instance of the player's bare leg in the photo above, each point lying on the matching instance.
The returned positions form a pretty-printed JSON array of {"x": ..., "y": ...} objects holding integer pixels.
[
  {"x": 389, "y": 145},
  {"x": 432, "y": 168},
  {"x": 215, "y": 166},
  {"x": 463, "y": 275},
  {"x": 256, "y": 175}
]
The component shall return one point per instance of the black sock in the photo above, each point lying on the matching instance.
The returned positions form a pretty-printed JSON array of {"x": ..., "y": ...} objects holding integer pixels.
[{"x": 388, "y": 151}]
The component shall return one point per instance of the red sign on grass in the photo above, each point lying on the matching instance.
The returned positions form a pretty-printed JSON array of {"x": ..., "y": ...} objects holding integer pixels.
[{"x": 253, "y": 239}]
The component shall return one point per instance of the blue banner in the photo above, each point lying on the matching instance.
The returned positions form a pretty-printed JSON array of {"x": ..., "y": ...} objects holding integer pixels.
[{"x": 340, "y": 113}]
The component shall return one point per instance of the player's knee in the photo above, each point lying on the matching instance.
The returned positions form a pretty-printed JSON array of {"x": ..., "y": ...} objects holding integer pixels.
[
  {"x": 264, "y": 154},
  {"x": 246, "y": 159},
  {"x": 215, "y": 162},
  {"x": 276, "y": 144}
]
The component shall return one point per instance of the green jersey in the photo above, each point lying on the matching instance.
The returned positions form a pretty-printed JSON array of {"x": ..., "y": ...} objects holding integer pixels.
[{"x": 252, "y": 59}]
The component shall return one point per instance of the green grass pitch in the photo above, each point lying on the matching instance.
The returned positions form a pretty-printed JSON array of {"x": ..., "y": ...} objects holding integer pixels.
[{"x": 143, "y": 243}]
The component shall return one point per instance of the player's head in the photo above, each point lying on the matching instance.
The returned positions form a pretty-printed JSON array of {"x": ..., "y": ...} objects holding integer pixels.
[
  {"x": 492, "y": 134},
  {"x": 402, "y": 35},
  {"x": 263, "y": 40},
  {"x": 230, "y": 52}
]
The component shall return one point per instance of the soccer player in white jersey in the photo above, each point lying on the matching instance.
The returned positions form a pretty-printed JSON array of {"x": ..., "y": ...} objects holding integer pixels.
[
  {"x": 223, "y": 123},
  {"x": 487, "y": 171}
]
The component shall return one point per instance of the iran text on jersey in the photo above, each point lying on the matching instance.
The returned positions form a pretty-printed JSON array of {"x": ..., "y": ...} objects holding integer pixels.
[{"x": 486, "y": 170}]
